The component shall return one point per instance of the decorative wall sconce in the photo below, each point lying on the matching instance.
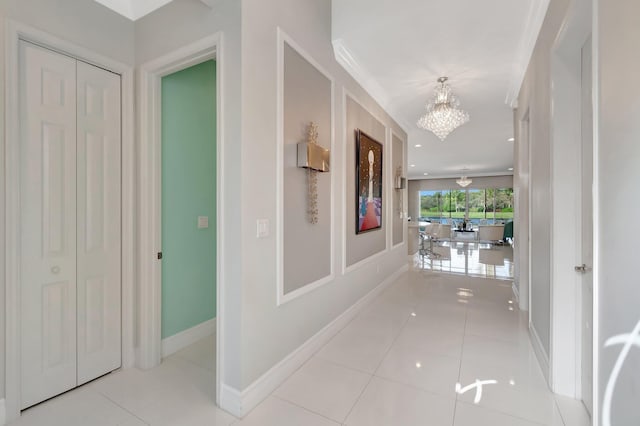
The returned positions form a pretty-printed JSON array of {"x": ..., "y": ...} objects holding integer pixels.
[
  {"x": 399, "y": 183},
  {"x": 314, "y": 158}
]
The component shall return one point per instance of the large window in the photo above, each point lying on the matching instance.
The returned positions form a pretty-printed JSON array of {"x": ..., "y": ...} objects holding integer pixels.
[
  {"x": 489, "y": 205},
  {"x": 434, "y": 205}
]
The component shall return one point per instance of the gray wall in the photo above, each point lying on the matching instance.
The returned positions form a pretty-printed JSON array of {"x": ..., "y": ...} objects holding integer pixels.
[
  {"x": 535, "y": 100},
  {"x": 616, "y": 39},
  {"x": 254, "y": 326},
  {"x": 417, "y": 185},
  {"x": 361, "y": 246},
  {"x": 307, "y": 97},
  {"x": 398, "y": 195},
  {"x": 84, "y": 23},
  {"x": 271, "y": 332}
]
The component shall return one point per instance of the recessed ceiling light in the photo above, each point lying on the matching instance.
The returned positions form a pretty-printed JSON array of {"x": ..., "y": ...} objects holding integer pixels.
[
  {"x": 511, "y": 139},
  {"x": 418, "y": 145},
  {"x": 510, "y": 169},
  {"x": 426, "y": 174},
  {"x": 412, "y": 165}
]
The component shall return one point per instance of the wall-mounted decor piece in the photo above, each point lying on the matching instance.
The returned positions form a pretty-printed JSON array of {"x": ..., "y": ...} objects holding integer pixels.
[
  {"x": 368, "y": 183},
  {"x": 399, "y": 184},
  {"x": 315, "y": 159}
]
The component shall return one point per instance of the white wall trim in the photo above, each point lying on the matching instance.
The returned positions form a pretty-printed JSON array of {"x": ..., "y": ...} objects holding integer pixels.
[
  {"x": 281, "y": 297},
  {"x": 149, "y": 164},
  {"x": 403, "y": 214},
  {"x": 595, "y": 415},
  {"x": 387, "y": 188},
  {"x": 230, "y": 400},
  {"x": 541, "y": 354},
  {"x": 566, "y": 178},
  {"x": 535, "y": 19},
  {"x": 14, "y": 32},
  {"x": 516, "y": 291},
  {"x": 181, "y": 340},
  {"x": 3, "y": 413},
  {"x": 240, "y": 403},
  {"x": 345, "y": 205}
]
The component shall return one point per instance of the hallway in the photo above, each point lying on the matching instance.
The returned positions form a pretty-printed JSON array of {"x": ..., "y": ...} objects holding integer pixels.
[{"x": 397, "y": 363}]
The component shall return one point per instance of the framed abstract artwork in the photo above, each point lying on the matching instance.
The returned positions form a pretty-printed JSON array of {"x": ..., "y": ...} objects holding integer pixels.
[{"x": 368, "y": 183}]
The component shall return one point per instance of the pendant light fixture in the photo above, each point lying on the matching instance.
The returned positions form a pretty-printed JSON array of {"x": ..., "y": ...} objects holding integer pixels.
[
  {"x": 443, "y": 114},
  {"x": 464, "y": 181}
]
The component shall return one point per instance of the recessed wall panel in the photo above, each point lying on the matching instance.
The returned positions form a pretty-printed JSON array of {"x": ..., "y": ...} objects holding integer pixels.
[
  {"x": 397, "y": 195},
  {"x": 361, "y": 246},
  {"x": 307, "y": 97}
]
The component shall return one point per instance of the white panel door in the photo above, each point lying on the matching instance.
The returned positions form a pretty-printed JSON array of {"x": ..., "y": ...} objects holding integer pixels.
[
  {"x": 48, "y": 224},
  {"x": 99, "y": 221},
  {"x": 587, "y": 229}
]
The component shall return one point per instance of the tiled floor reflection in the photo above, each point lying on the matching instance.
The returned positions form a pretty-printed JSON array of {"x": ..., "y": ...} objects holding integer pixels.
[
  {"x": 475, "y": 259},
  {"x": 396, "y": 364}
]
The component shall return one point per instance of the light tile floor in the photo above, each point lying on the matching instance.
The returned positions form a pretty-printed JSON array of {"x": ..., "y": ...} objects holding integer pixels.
[{"x": 396, "y": 364}]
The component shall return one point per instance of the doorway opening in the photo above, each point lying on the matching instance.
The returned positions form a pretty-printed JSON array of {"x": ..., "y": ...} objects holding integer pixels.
[
  {"x": 188, "y": 214},
  {"x": 181, "y": 223}
]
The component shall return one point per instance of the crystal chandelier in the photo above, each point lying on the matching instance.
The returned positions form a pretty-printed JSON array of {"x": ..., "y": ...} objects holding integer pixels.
[
  {"x": 464, "y": 181},
  {"x": 443, "y": 114}
]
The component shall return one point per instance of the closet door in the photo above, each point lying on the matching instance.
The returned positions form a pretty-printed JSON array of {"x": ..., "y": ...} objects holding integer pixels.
[
  {"x": 99, "y": 222},
  {"x": 47, "y": 96}
]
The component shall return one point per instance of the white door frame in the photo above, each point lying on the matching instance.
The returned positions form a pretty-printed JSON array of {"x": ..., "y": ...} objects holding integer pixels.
[
  {"x": 566, "y": 284},
  {"x": 150, "y": 190},
  {"x": 14, "y": 33}
]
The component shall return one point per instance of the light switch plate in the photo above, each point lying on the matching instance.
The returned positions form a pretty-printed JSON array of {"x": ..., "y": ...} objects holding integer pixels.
[
  {"x": 262, "y": 228},
  {"x": 203, "y": 222}
]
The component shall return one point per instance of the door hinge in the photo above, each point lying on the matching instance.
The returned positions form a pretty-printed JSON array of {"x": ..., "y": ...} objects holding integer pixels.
[{"x": 159, "y": 255}]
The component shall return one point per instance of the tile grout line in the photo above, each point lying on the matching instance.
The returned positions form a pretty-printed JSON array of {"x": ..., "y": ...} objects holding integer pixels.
[
  {"x": 377, "y": 367},
  {"x": 121, "y": 407},
  {"x": 464, "y": 335},
  {"x": 304, "y": 408},
  {"x": 555, "y": 403}
]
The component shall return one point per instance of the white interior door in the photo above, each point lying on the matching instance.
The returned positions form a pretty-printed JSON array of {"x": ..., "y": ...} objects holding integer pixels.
[
  {"x": 99, "y": 222},
  {"x": 71, "y": 222},
  {"x": 48, "y": 225},
  {"x": 587, "y": 228}
]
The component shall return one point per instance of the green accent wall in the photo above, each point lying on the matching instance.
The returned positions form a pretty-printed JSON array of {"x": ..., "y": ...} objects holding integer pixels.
[{"x": 188, "y": 191}]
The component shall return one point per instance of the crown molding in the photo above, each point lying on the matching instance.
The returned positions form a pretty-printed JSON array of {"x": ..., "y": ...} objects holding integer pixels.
[
  {"x": 535, "y": 19},
  {"x": 347, "y": 60}
]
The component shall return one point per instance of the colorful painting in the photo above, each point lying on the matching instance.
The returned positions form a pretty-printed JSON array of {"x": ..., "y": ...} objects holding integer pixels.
[{"x": 368, "y": 183}]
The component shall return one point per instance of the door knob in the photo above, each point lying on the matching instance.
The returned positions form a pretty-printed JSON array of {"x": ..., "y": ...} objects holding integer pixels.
[
  {"x": 55, "y": 269},
  {"x": 582, "y": 268}
]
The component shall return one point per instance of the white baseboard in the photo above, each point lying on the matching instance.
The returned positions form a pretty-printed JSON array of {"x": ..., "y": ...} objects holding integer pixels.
[
  {"x": 541, "y": 354},
  {"x": 173, "y": 344},
  {"x": 516, "y": 292},
  {"x": 241, "y": 403},
  {"x": 231, "y": 400},
  {"x": 3, "y": 413}
]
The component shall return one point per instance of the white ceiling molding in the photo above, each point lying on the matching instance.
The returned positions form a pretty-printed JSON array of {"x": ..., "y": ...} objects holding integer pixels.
[
  {"x": 535, "y": 19},
  {"x": 133, "y": 9},
  {"x": 366, "y": 80}
]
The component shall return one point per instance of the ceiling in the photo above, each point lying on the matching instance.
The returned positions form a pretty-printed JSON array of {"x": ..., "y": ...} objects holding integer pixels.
[
  {"x": 398, "y": 49},
  {"x": 133, "y": 9}
]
